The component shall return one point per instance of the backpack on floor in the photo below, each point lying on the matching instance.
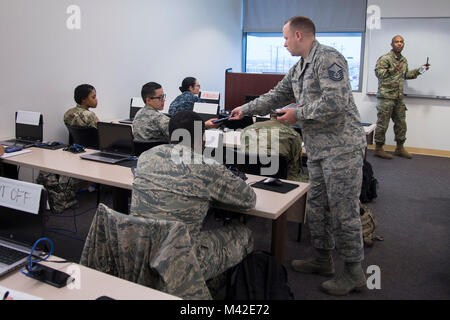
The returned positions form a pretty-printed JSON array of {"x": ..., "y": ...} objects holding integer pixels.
[
  {"x": 369, "y": 184},
  {"x": 369, "y": 224},
  {"x": 61, "y": 191},
  {"x": 259, "y": 276}
]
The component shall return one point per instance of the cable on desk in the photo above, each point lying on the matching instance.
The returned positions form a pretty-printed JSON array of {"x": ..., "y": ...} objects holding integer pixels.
[{"x": 30, "y": 266}]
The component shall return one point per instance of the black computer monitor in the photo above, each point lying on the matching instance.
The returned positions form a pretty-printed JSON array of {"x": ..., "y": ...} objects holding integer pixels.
[
  {"x": 133, "y": 111},
  {"x": 28, "y": 131},
  {"x": 114, "y": 137}
]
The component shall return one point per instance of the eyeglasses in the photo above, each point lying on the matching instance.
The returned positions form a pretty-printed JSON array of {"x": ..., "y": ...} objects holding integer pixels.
[{"x": 162, "y": 97}]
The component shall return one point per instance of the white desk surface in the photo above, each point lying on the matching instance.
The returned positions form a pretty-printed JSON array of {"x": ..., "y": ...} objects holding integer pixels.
[
  {"x": 89, "y": 285},
  {"x": 70, "y": 164},
  {"x": 268, "y": 204}
]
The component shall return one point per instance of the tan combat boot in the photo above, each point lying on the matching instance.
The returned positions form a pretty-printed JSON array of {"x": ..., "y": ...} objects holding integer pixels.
[
  {"x": 379, "y": 152},
  {"x": 322, "y": 264},
  {"x": 401, "y": 152},
  {"x": 351, "y": 279}
]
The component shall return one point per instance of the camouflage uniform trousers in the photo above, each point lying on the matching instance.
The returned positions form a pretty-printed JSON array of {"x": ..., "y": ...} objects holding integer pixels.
[
  {"x": 333, "y": 204},
  {"x": 220, "y": 249},
  {"x": 387, "y": 109}
]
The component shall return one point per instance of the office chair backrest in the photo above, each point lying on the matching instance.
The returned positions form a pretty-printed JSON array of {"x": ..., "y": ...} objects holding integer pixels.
[
  {"x": 85, "y": 136},
  {"x": 140, "y": 146},
  {"x": 152, "y": 251},
  {"x": 258, "y": 164}
]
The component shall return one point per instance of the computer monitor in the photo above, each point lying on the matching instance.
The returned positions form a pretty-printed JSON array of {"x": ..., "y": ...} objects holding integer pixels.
[
  {"x": 115, "y": 138},
  {"x": 28, "y": 131}
]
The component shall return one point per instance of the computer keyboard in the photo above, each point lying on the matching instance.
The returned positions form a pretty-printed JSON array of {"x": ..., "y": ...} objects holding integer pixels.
[{"x": 9, "y": 256}]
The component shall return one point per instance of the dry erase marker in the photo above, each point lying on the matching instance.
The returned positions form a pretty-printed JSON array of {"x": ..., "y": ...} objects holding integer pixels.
[{"x": 5, "y": 296}]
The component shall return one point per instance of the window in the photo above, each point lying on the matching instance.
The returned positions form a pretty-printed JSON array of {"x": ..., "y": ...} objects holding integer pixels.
[{"x": 265, "y": 52}]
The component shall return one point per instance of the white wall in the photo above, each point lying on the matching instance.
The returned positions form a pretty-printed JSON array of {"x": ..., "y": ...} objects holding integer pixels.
[
  {"x": 121, "y": 46},
  {"x": 427, "y": 119}
]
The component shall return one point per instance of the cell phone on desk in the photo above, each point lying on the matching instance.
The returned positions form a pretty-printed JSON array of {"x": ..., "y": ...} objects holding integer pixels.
[
  {"x": 49, "y": 275},
  {"x": 221, "y": 120}
]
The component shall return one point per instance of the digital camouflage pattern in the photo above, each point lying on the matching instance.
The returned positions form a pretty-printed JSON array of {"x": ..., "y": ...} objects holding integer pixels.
[
  {"x": 335, "y": 140},
  {"x": 185, "y": 190},
  {"x": 153, "y": 251},
  {"x": 184, "y": 101},
  {"x": 60, "y": 189},
  {"x": 150, "y": 124},
  {"x": 81, "y": 117},
  {"x": 327, "y": 114},
  {"x": 258, "y": 135},
  {"x": 390, "y": 96},
  {"x": 334, "y": 222},
  {"x": 387, "y": 109},
  {"x": 390, "y": 82}
]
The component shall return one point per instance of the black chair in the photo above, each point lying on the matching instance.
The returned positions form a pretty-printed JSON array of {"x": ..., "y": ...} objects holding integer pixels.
[
  {"x": 85, "y": 136},
  {"x": 140, "y": 147}
]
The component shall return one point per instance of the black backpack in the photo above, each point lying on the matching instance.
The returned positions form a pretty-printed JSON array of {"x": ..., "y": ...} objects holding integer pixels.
[
  {"x": 259, "y": 276},
  {"x": 369, "y": 184}
]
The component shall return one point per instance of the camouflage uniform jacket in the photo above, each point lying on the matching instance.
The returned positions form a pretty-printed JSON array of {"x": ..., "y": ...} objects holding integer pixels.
[
  {"x": 184, "y": 101},
  {"x": 154, "y": 252},
  {"x": 390, "y": 82},
  {"x": 327, "y": 113},
  {"x": 185, "y": 191},
  {"x": 150, "y": 124},
  {"x": 80, "y": 117},
  {"x": 289, "y": 143}
]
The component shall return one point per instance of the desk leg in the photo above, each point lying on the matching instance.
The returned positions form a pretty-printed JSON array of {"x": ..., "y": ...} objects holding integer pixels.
[
  {"x": 279, "y": 237},
  {"x": 120, "y": 200}
]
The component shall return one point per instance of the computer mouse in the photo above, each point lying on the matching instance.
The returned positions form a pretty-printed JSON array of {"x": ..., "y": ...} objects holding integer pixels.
[
  {"x": 54, "y": 143},
  {"x": 273, "y": 182}
]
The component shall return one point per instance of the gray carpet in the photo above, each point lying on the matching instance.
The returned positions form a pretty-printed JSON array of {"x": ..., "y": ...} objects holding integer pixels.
[{"x": 412, "y": 210}]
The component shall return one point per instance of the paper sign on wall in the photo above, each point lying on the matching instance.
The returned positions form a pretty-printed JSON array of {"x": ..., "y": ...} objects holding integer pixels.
[{"x": 20, "y": 195}]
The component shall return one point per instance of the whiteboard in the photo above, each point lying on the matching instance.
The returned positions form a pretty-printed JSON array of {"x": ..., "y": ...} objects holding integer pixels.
[{"x": 424, "y": 37}]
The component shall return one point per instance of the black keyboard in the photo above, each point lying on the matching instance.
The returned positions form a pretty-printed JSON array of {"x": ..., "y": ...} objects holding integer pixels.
[{"x": 10, "y": 256}]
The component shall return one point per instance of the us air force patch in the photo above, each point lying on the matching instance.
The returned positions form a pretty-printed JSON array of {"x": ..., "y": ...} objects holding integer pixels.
[{"x": 336, "y": 72}]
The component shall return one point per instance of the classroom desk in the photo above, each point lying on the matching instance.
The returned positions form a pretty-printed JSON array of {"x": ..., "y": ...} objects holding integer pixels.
[
  {"x": 233, "y": 138},
  {"x": 89, "y": 285},
  {"x": 271, "y": 205}
]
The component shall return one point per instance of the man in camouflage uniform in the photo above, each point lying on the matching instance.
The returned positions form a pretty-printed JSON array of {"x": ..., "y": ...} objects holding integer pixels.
[
  {"x": 289, "y": 143},
  {"x": 80, "y": 115},
  {"x": 149, "y": 123},
  {"x": 335, "y": 140},
  {"x": 185, "y": 188},
  {"x": 391, "y": 70}
]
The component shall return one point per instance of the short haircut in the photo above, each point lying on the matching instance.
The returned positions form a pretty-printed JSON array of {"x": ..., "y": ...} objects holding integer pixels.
[
  {"x": 185, "y": 120},
  {"x": 396, "y": 37},
  {"x": 302, "y": 23},
  {"x": 187, "y": 82},
  {"x": 82, "y": 92},
  {"x": 148, "y": 90}
]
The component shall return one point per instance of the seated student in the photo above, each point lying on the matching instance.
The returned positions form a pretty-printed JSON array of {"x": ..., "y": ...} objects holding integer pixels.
[
  {"x": 151, "y": 124},
  {"x": 185, "y": 187},
  {"x": 80, "y": 115},
  {"x": 289, "y": 143},
  {"x": 185, "y": 101}
]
